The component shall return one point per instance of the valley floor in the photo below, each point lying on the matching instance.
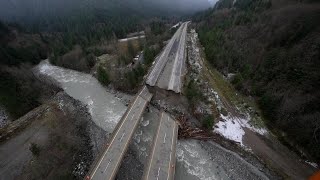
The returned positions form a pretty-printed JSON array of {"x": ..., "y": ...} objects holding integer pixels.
[{"x": 71, "y": 133}]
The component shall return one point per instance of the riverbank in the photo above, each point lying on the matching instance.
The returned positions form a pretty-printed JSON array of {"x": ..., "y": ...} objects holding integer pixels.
[
  {"x": 106, "y": 106},
  {"x": 64, "y": 135},
  {"x": 139, "y": 149}
]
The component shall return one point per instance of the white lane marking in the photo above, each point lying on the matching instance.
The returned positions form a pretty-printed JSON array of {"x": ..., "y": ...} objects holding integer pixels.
[
  {"x": 107, "y": 166},
  {"x": 155, "y": 71},
  {"x": 123, "y": 122},
  {"x": 144, "y": 87},
  {"x": 122, "y": 137},
  {"x": 171, "y": 82},
  {"x": 164, "y": 139},
  {"x": 154, "y": 147},
  {"x": 176, "y": 61},
  {"x": 131, "y": 133},
  {"x": 184, "y": 40},
  {"x": 173, "y": 136},
  {"x": 160, "y": 62},
  {"x": 181, "y": 56},
  {"x": 158, "y": 173},
  {"x": 142, "y": 90}
]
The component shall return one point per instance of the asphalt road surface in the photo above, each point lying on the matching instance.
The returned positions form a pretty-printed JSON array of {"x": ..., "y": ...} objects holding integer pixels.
[
  {"x": 109, "y": 162},
  {"x": 161, "y": 164},
  {"x": 169, "y": 66},
  {"x": 179, "y": 62}
]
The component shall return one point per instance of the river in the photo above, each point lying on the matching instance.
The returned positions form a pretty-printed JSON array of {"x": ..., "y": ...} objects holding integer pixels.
[
  {"x": 195, "y": 159},
  {"x": 105, "y": 109}
]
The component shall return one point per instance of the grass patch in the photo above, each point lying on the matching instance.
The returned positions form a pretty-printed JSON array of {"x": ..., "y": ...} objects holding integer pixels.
[
  {"x": 228, "y": 93},
  {"x": 218, "y": 83},
  {"x": 193, "y": 93},
  {"x": 103, "y": 76}
]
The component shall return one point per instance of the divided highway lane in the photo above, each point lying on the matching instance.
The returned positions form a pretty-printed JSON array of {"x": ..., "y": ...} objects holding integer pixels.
[
  {"x": 167, "y": 72},
  {"x": 162, "y": 60},
  {"x": 161, "y": 164},
  {"x": 107, "y": 166},
  {"x": 179, "y": 62},
  {"x": 164, "y": 78}
]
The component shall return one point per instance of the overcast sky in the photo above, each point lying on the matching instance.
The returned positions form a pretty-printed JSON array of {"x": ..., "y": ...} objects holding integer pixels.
[
  {"x": 22, "y": 9},
  {"x": 213, "y": 2}
]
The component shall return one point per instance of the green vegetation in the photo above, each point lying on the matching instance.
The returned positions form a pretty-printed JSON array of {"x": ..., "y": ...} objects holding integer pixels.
[
  {"x": 193, "y": 93},
  {"x": 149, "y": 54},
  {"x": 20, "y": 91},
  {"x": 72, "y": 39},
  {"x": 31, "y": 53},
  {"x": 274, "y": 52},
  {"x": 16, "y": 97},
  {"x": 131, "y": 50},
  {"x": 134, "y": 77},
  {"x": 103, "y": 76},
  {"x": 207, "y": 122},
  {"x": 75, "y": 59},
  {"x": 157, "y": 27}
]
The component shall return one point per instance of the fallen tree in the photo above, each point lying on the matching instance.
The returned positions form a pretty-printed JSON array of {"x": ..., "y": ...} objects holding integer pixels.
[{"x": 187, "y": 131}]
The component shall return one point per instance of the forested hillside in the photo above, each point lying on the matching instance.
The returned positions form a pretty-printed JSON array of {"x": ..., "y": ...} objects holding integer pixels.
[
  {"x": 61, "y": 24},
  {"x": 71, "y": 33},
  {"x": 273, "y": 47}
]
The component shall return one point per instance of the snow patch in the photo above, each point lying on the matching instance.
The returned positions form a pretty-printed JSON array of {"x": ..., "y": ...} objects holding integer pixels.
[{"x": 232, "y": 128}]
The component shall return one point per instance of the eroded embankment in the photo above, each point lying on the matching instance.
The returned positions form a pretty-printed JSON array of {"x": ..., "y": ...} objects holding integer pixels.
[{"x": 56, "y": 140}]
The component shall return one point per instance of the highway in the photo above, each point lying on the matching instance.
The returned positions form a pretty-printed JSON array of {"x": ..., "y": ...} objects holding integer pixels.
[
  {"x": 179, "y": 62},
  {"x": 166, "y": 74},
  {"x": 161, "y": 61},
  {"x": 109, "y": 162},
  {"x": 168, "y": 70},
  {"x": 161, "y": 164}
]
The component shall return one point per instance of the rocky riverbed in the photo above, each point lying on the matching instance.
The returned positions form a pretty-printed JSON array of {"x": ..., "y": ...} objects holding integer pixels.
[{"x": 64, "y": 135}]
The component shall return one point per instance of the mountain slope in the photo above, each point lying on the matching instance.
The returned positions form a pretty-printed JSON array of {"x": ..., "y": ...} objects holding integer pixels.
[{"x": 273, "y": 48}]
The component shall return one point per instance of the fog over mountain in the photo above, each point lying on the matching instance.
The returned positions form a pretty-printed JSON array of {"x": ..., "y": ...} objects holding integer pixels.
[{"x": 31, "y": 9}]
